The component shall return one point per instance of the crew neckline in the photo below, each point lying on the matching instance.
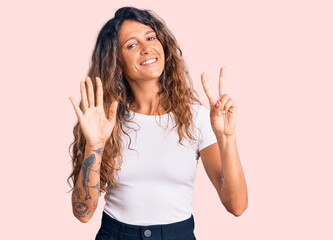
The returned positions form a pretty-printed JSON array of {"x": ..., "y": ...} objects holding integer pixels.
[{"x": 148, "y": 116}]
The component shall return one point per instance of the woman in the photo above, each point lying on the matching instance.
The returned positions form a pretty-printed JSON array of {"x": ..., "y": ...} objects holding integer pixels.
[{"x": 137, "y": 76}]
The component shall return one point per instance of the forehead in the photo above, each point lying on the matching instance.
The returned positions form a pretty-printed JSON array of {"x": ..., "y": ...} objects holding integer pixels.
[{"x": 131, "y": 28}]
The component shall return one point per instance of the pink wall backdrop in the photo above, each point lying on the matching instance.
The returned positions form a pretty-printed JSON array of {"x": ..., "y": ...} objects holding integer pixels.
[{"x": 278, "y": 57}]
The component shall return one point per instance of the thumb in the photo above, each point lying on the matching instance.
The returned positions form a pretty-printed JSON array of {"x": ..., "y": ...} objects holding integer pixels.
[{"x": 113, "y": 110}]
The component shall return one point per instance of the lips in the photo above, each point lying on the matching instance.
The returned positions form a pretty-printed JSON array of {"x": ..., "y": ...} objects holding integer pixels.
[{"x": 148, "y": 60}]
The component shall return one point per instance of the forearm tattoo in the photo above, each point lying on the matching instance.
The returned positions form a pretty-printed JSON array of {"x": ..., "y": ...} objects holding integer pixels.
[
  {"x": 99, "y": 151},
  {"x": 222, "y": 177},
  {"x": 86, "y": 168},
  {"x": 81, "y": 209},
  {"x": 80, "y": 206}
]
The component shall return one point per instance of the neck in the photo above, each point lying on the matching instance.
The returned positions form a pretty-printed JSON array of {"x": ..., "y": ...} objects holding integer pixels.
[{"x": 146, "y": 98}]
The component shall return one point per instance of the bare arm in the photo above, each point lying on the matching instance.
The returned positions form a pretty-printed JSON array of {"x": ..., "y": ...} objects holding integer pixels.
[
  {"x": 233, "y": 189},
  {"x": 87, "y": 187},
  {"x": 97, "y": 127}
]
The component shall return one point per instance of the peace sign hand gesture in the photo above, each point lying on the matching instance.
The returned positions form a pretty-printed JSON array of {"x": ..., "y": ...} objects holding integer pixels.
[
  {"x": 223, "y": 110},
  {"x": 95, "y": 126}
]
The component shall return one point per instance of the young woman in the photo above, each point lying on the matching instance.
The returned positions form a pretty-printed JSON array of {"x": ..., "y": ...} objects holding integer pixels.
[{"x": 141, "y": 130}]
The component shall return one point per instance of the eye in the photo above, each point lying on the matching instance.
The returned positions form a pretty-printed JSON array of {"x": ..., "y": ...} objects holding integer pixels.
[{"x": 130, "y": 46}]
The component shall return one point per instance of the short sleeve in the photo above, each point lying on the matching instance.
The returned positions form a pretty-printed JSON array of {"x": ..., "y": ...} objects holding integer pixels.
[{"x": 207, "y": 136}]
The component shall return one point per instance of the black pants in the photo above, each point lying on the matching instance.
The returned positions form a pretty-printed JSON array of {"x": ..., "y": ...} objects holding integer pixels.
[{"x": 111, "y": 229}]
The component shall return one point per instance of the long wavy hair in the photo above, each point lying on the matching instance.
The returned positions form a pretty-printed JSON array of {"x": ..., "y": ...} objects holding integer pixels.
[{"x": 176, "y": 92}]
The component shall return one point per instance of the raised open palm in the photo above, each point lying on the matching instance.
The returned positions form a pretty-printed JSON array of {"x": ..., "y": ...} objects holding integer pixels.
[{"x": 95, "y": 125}]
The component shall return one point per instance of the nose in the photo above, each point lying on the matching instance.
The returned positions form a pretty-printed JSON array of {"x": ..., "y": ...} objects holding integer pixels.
[{"x": 145, "y": 48}]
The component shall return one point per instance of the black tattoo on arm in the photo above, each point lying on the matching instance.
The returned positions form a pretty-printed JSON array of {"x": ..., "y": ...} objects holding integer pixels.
[
  {"x": 80, "y": 205},
  {"x": 77, "y": 193},
  {"x": 80, "y": 208},
  {"x": 99, "y": 151},
  {"x": 86, "y": 168},
  {"x": 222, "y": 178}
]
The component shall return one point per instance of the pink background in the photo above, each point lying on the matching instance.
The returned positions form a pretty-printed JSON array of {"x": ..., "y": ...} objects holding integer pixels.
[{"x": 278, "y": 57}]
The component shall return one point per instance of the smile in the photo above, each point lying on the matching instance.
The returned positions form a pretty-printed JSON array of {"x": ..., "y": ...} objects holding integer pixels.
[{"x": 149, "y": 62}]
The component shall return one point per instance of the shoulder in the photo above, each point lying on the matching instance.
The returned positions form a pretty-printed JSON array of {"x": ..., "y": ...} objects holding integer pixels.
[
  {"x": 201, "y": 115},
  {"x": 199, "y": 108},
  {"x": 200, "y": 111}
]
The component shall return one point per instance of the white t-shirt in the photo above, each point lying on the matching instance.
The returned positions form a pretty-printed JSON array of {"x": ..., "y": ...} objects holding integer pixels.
[{"x": 156, "y": 182}]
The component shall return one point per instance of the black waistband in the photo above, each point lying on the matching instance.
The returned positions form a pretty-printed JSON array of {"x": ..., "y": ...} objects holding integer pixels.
[{"x": 166, "y": 230}]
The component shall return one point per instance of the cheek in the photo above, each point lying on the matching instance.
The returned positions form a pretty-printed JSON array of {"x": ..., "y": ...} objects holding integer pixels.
[
  {"x": 162, "y": 53},
  {"x": 128, "y": 61},
  {"x": 159, "y": 49}
]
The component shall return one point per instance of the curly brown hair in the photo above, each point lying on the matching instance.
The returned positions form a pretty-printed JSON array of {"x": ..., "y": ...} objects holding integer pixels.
[{"x": 176, "y": 91}]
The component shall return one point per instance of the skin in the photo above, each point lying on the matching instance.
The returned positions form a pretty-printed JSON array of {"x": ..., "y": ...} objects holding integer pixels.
[
  {"x": 85, "y": 197},
  {"x": 221, "y": 159},
  {"x": 136, "y": 46}
]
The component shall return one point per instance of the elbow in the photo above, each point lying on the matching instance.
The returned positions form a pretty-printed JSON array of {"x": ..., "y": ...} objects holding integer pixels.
[
  {"x": 235, "y": 209},
  {"x": 239, "y": 212},
  {"x": 84, "y": 218},
  {"x": 235, "y": 206}
]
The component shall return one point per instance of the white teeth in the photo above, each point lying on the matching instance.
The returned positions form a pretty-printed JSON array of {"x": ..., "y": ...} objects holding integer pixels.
[{"x": 149, "y": 61}]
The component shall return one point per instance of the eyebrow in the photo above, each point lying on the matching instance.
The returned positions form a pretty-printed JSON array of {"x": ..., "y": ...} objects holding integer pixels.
[{"x": 134, "y": 36}]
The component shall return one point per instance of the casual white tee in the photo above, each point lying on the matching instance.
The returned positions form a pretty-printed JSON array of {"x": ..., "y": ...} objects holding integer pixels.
[{"x": 156, "y": 180}]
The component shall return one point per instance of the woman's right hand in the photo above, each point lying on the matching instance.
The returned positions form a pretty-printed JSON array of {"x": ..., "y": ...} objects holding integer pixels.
[{"x": 95, "y": 126}]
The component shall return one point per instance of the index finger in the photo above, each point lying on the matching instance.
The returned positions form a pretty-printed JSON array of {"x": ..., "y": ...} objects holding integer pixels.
[
  {"x": 222, "y": 82},
  {"x": 208, "y": 91}
]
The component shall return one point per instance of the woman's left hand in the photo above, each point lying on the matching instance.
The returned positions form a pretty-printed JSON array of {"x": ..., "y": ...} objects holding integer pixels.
[{"x": 223, "y": 110}]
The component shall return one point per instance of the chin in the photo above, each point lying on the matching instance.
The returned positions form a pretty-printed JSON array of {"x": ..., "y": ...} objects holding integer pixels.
[{"x": 156, "y": 74}]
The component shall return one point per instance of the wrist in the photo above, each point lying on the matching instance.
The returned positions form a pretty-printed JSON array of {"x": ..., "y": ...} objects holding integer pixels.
[
  {"x": 224, "y": 137},
  {"x": 95, "y": 146}
]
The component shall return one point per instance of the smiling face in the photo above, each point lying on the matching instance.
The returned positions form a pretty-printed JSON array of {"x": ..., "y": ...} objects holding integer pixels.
[{"x": 141, "y": 53}]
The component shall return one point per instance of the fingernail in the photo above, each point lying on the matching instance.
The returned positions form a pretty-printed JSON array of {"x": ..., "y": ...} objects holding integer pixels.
[{"x": 217, "y": 104}]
